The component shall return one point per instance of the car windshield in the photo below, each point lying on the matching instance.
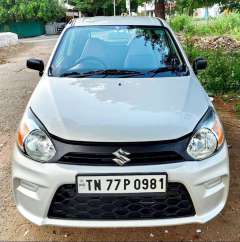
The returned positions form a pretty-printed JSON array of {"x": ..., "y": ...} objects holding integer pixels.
[{"x": 117, "y": 51}]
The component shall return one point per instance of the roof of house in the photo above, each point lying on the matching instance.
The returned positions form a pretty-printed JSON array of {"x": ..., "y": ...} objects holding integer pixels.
[{"x": 118, "y": 20}]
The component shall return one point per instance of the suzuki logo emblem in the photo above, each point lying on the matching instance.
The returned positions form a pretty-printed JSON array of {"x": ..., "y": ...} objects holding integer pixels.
[{"x": 121, "y": 157}]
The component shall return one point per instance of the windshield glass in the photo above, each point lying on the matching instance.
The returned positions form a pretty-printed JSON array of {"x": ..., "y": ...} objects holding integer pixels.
[{"x": 116, "y": 51}]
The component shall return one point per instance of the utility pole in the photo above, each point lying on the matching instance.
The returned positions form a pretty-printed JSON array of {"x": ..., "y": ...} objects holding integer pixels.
[
  {"x": 128, "y": 6},
  {"x": 114, "y": 7}
]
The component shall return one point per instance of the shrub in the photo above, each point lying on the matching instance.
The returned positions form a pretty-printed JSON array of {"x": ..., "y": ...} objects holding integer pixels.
[
  {"x": 223, "y": 72},
  {"x": 182, "y": 23},
  {"x": 237, "y": 109}
]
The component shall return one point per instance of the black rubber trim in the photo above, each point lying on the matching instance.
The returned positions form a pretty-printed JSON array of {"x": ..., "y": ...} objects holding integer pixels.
[
  {"x": 161, "y": 22},
  {"x": 118, "y": 143},
  {"x": 89, "y": 149},
  {"x": 107, "y": 159}
]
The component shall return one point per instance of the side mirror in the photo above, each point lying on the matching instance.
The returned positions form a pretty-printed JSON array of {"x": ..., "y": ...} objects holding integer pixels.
[
  {"x": 36, "y": 64},
  {"x": 199, "y": 64}
]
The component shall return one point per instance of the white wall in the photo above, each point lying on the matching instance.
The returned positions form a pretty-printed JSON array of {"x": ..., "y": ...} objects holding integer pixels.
[{"x": 213, "y": 11}]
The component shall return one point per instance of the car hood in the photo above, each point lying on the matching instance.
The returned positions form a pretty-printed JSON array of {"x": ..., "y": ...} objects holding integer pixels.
[{"x": 119, "y": 110}]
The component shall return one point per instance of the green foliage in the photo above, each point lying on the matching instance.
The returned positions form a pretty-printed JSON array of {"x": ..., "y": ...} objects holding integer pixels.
[
  {"x": 237, "y": 109},
  {"x": 208, "y": 3},
  {"x": 44, "y": 10},
  {"x": 229, "y": 24},
  {"x": 49, "y": 10},
  {"x": 232, "y": 6},
  {"x": 5, "y": 14},
  {"x": 222, "y": 25},
  {"x": 88, "y": 6},
  {"x": 104, "y": 7},
  {"x": 223, "y": 72},
  {"x": 182, "y": 23},
  {"x": 187, "y": 6}
]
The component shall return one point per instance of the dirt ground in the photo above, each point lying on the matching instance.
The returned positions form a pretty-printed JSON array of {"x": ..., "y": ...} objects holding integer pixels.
[{"x": 16, "y": 86}]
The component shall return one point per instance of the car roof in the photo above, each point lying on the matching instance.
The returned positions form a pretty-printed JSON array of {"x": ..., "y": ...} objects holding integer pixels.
[{"x": 117, "y": 20}]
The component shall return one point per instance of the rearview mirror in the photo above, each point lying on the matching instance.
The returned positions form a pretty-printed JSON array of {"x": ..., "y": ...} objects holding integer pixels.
[
  {"x": 36, "y": 64},
  {"x": 199, "y": 64}
]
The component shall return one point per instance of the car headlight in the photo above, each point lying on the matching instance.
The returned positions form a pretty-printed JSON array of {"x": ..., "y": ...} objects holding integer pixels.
[
  {"x": 33, "y": 141},
  {"x": 208, "y": 137}
]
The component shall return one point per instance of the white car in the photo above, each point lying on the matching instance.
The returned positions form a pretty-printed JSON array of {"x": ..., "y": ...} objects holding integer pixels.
[{"x": 119, "y": 132}]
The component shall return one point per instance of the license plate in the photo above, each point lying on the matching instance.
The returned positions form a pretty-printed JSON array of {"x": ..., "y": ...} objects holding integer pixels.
[{"x": 122, "y": 183}]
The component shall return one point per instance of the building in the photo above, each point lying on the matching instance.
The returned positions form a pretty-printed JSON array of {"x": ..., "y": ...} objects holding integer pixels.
[
  {"x": 147, "y": 9},
  {"x": 213, "y": 11}
]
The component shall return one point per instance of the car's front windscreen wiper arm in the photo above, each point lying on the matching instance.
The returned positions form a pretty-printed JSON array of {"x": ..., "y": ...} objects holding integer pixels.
[
  {"x": 115, "y": 72},
  {"x": 70, "y": 74},
  {"x": 180, "y": 68},
  {"x": 101, "y": 72}
]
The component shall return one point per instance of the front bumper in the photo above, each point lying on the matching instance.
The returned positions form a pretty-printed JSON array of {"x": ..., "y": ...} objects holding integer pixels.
[{"x": 34, "y": 185}]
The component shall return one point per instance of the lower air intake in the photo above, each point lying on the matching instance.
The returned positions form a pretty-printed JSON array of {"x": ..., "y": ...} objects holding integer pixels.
[{"x": 68, "y": 204}]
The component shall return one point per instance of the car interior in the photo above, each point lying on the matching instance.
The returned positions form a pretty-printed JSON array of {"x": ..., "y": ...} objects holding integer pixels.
[{"x": 101, "y": 50}]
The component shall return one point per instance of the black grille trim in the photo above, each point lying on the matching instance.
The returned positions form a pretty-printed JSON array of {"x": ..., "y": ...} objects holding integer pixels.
[
  {"x": 106, "y": 159},
  {"x": 68, "y": 204},
  {"x": 142, "y": 153}
]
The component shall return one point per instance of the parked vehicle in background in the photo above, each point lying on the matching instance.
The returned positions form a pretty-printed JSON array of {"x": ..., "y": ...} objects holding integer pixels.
[{"x": 119, "y": 132}]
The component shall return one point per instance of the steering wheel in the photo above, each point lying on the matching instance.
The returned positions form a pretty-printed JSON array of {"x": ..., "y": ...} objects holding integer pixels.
[{"x": 92, "y": 62}]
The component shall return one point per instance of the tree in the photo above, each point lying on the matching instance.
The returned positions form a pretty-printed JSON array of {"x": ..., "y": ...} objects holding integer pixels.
[
  {"x": 104, "y": 7},
  {"x": 50, "y": 10},
  {"x": 20, "y": 10},
  {"x": 88, "y": 7},
  {"x": 5, "y": 11},
  {"x": 231, "y": 5},
  {"x": 160, "y": 9},
  {"x": 186, "y": 6}
]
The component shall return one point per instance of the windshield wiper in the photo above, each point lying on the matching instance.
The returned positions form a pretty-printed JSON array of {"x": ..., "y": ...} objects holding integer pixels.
[
  {"x": 102, "y": 72},
  {"x": 178, "y": 69},
  {"x": 161, "y": 69},
  {"x": 73, "y": 74},
  {"x": 114, "y": 72}
]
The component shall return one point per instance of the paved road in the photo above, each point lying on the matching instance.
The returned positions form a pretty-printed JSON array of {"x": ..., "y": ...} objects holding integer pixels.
[
  {"x": 42, "y": 38},
  {"x": 16, "y": 86}
]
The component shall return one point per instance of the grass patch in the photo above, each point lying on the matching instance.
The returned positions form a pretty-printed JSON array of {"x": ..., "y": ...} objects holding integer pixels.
[
  {"x": 222, "y": 25},
  {"x": 183, "y": 23}
]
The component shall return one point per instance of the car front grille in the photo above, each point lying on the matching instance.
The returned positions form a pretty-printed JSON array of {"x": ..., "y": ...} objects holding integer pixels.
[
  {"x": 149, "y": 158},
  {"x": 103, "y": 153},
  {"x": 68, "y": 204}
]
